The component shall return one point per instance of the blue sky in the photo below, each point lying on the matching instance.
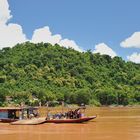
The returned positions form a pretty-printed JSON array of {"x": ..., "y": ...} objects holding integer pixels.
[{"x": 91, "y": 24}]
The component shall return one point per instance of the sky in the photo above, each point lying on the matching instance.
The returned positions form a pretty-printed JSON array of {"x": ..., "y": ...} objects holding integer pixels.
[{"x": 103, "y": 26}]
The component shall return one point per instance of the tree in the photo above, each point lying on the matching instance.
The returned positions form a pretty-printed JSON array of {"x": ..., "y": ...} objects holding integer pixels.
[
  {"x": 83, "y": 96},
  {"x": 3, "y": 93}
]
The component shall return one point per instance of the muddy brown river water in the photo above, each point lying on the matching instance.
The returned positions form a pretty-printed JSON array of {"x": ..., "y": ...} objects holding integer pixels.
[{"x": 111, "y": 124}]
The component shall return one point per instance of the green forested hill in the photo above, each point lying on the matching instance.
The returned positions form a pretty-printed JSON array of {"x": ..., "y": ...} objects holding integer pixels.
[{"x": 45, "y": 72}]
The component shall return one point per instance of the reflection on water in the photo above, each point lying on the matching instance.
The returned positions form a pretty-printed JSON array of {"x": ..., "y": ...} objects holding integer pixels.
[{"x": 111, "y": 124}]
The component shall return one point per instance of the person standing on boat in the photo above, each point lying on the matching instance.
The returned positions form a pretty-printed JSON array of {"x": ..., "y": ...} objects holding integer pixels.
[
  {"x": 20, "y": 115},
  {"x": 77, "y": 113},
  {"x": 70, "y": 114},
  {"x": 49, "y": 115}
]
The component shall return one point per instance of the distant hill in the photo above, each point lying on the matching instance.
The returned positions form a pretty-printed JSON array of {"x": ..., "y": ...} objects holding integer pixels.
[{"x": 38, "y": 72}]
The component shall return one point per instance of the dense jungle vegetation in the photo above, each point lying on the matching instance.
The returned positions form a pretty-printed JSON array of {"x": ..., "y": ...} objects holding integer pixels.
[{"x": 33, "y": 73}]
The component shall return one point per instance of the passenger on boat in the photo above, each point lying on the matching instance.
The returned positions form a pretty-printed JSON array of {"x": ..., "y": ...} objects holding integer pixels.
[
  {"x": 35, "y": 113},
  {"x": 12, "y": 114},
  {"x": 70, "y": 114},
  {"x": 31, "y": 116},
  {"x": 20, "y": 115},
  {"x": 49, "y": 115},
  {"x": 77, "y": 113},
  {"x": 59, "y": 116},
  {"x": 25, "y": 115}
]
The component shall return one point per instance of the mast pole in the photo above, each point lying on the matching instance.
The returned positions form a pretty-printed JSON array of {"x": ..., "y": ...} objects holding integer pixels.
[{"x": 62, "y": 106}]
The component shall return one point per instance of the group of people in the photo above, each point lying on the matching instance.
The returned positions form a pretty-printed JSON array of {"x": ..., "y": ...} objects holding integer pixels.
[
  {"x": 74, "y": 114},
  {"x": 28, "y": 114},
  {"x": 66, "y": 115}
]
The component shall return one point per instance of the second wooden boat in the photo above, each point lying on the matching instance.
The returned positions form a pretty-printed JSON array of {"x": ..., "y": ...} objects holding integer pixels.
[{"x": 78, "y": 120}]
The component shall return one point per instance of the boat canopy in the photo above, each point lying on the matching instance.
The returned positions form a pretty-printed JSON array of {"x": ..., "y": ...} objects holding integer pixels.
[{"x": 16, "y": 108}]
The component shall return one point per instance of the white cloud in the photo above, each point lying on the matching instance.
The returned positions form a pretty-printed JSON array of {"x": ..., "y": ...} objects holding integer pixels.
[
  {"x": 132, "y": 41},
  {"x": 10, "y": 34},
  {"x": 102, "y": 48},
  {"x": 44, "y": 35},
  {"x": 70, "y": 44},
  {"x": 4, "y": 12},
  {"x": 135, "y": 57}
]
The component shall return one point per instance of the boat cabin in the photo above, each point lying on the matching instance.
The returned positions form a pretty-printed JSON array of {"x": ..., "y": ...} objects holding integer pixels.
[{"x": 11, "y": 114}]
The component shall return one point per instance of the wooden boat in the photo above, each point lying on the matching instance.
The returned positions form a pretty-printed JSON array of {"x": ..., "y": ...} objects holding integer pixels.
[
  {"x": 21, "y": 115},
  {"x": 78, "y": 120},
  {"x": 12, "y": 114},
  {"x": 53, "y": 119}
]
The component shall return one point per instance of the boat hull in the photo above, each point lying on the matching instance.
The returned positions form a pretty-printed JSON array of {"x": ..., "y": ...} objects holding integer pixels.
[
  {"x": 79, "y": 120},
  {"x": 7, "y": 120}
]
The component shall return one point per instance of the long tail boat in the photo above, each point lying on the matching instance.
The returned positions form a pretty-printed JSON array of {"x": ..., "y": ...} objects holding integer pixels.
[
  {"x": 67, "y": 118},
  {"x": 78, "y": 120}
]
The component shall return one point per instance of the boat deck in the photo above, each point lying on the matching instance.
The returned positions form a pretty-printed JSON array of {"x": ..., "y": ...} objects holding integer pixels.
[{"x": 29, "y": 122}]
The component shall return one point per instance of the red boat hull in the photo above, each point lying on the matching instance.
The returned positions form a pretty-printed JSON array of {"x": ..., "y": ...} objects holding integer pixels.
[
  {"x": 79, "y": 120},
  {"x": 7, "y": 120}
]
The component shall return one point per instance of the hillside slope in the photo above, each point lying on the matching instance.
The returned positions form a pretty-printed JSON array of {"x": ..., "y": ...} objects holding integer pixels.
[{"x": 31, "y": 72}]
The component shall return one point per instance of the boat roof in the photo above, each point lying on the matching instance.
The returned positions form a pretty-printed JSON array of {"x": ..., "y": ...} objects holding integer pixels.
[
  {"x": 10, "y": 108},
  {"x": 16, "y": 108}
]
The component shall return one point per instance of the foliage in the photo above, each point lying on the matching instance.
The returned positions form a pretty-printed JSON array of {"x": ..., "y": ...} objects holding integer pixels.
[{"x": 40, "y": 72}]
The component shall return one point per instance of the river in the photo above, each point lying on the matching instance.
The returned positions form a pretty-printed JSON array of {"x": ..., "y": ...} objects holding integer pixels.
[{"x": 112, "y": 123}]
